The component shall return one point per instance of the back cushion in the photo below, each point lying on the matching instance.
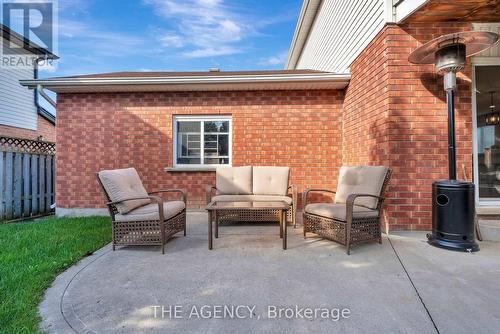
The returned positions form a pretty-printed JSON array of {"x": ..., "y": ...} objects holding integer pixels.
[
  {"x": 270, "y": 180},
  {"x": 360, "y": 180},
  {"x": 121, "y": 184},
  {"x": 234, "y": 180}
]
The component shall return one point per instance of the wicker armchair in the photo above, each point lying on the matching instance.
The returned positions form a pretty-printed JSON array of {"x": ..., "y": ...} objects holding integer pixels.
[
  {"x": 354, "y": 216},
  {"x": 138, "y": 217}
]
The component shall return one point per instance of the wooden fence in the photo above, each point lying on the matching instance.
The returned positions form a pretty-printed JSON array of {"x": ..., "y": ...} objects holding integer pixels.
[{"x": 26, "y": 178}]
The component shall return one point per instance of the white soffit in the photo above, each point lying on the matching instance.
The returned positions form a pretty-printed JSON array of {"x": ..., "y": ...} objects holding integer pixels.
[
  {"x": 194, "y": 83},
  {"x": 405, "y": 8},
  {"x": 306, "y": 19},
  {"x": 492, "y": 53}
]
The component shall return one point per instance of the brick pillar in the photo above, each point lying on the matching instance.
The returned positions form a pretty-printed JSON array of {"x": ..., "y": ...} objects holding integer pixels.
[{"x": 395, "y": 115}]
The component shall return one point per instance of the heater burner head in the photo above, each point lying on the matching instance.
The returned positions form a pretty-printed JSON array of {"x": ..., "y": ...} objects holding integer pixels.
[
  {"x": 474, "y": 42},
  {"x": 450, "y": 58}
]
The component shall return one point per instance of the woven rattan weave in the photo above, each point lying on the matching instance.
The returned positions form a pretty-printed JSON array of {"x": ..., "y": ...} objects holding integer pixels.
[
  {"x": 353, "y": 230},
  {"x": 149, "y": 232},
  {"x": 257, "y": 216},
  {"x": 220, "y": 212}
]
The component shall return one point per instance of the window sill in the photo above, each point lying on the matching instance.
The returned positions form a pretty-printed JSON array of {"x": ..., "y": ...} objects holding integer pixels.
[{"x": 188, "y": 169}]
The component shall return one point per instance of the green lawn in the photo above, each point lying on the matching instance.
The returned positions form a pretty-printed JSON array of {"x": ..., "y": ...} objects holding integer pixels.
[{"x": 31, "y": 256}]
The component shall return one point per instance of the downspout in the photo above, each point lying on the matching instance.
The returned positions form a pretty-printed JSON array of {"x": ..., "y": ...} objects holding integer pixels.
[
  {"x": 35, "y": 75},
  {"x": 39, "y": 88}
]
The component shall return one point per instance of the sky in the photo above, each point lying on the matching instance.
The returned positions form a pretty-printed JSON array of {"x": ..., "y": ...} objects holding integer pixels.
[{"x": 98, "y": 36}]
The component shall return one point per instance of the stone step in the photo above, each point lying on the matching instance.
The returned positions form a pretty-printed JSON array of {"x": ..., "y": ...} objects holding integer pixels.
[{"x": 490, "y": 229}]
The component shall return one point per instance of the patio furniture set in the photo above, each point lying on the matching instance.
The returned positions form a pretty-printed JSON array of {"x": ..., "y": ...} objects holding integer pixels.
[
  {"x": 248, "y": 194},
  {"x": 251, "y": 194}
]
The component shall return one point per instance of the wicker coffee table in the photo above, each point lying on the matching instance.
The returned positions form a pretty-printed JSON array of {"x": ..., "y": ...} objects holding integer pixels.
[{"x": 239, "y": 210}]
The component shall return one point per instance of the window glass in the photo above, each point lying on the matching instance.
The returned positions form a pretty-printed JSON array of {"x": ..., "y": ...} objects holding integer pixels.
[
  {"x": 219, "y": 126},
  {"x": 488, "y": 131},
  {"x": 203, "y": 142},
  {"x": 188, "y": 143},
  {"x": 189, "y": 127}
]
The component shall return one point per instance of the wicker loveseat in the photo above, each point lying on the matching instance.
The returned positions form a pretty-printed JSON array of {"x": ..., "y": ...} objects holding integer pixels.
[
  {"x": 253, "y": 184},
  {"x": 354, "y": 216},
  {"x": 138, "y": 218}
]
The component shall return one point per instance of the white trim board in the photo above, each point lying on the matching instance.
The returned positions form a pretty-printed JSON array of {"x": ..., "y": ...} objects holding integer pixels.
[
  {"x": 479, "y": 61},
  {"x": 313, "y": 80}
]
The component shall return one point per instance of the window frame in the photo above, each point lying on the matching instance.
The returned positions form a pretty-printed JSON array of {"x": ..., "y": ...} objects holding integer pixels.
[
  {"x": 202, "y": 119},
  {"x": 481, "y": 202}
]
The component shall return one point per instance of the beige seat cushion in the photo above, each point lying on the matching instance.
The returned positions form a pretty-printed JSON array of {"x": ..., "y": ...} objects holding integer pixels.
[
  {"x": 121, "y": 184},
  {"x": 234, "y": 180},
  {"x": 250, "y": 198},
  {"x": 270, "y": 180},
  {"x": 338, "y": 211},
  {"x": 360, "y": 180},
  {"x": 151, "y": 212}
]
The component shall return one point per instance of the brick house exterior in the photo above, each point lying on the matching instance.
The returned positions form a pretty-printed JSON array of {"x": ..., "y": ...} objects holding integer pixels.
[
  {"x": 388, "y": 115},
  {"x": 395, "y": 115},
  {"x": 391, "y": 113},
  {"x": 300, "y": 129}
]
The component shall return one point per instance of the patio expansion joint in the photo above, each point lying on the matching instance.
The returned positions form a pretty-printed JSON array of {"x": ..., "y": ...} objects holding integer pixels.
[
  {"x": 414, "y": 286},
  {"x": 64, "y": 309}
]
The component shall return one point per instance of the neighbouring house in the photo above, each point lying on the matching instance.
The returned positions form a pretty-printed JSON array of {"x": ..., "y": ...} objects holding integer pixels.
[
  {"x": 21, "y": 115},
  {"x": 349, "y": 96}
]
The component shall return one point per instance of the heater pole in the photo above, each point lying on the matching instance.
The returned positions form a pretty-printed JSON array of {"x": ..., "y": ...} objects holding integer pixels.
[
  {"x": 453, "y": 208},
  {"x": 452, "y": 165}
]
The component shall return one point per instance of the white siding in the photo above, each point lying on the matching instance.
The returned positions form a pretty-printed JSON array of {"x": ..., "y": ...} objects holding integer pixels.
[
  {"x": 342, "y": 29},
  {"x": 17, "y": 106},
  {"x": 494, "y": 27}
]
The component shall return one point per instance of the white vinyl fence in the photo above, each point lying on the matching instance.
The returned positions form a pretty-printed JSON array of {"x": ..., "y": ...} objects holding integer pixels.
[{"x": 26, "y": 178}]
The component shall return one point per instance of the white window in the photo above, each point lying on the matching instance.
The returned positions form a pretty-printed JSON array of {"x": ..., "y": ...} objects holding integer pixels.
[{"x": 202, "y": 141}]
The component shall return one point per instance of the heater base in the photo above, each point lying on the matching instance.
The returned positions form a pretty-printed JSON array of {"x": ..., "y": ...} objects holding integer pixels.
[{"x": 460, "y": 246}]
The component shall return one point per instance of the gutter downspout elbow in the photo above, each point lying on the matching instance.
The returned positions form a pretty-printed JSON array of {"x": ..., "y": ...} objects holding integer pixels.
[{"x": 40, "y": 90}]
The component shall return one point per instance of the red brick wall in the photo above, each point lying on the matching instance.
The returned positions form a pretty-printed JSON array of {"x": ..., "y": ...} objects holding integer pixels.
[
  {"x": 44, "y": 128},
  {"x": 365, "y": 116},
  {"x": 395, "y": 114},
  {"x": 300, "y": 129}
]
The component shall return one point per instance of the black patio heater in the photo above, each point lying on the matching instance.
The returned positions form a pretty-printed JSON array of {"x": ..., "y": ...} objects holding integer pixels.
[{"x": 453, "y": 207}]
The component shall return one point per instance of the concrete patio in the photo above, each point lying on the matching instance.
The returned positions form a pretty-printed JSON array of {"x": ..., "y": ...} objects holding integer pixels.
[{"x": 401, "y": 286}]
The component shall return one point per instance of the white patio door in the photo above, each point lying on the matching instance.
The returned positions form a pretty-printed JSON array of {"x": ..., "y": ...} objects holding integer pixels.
[{"x": 486, "y": 127}]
